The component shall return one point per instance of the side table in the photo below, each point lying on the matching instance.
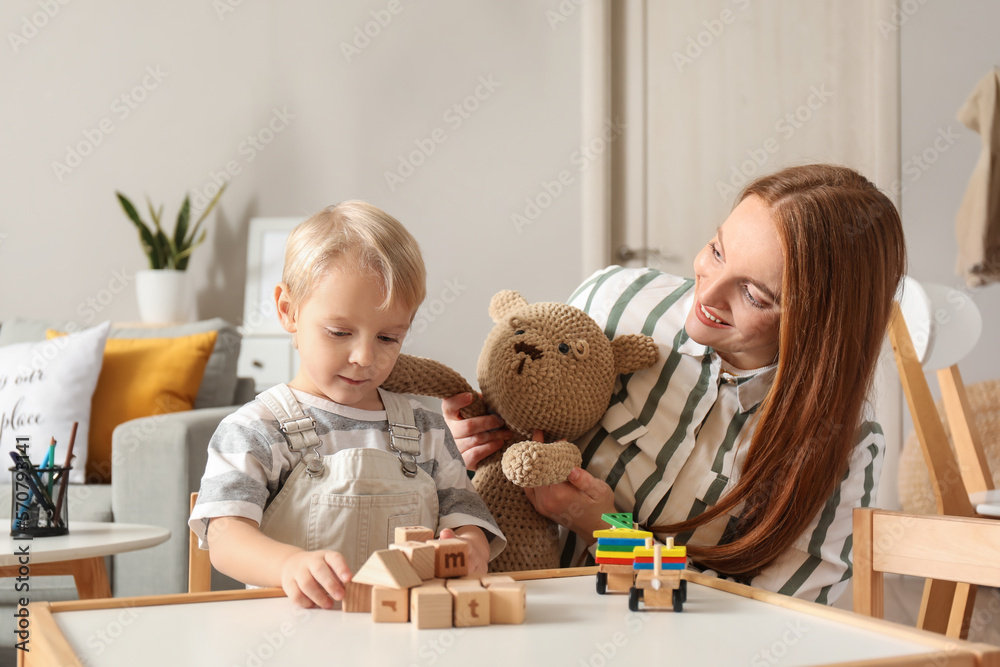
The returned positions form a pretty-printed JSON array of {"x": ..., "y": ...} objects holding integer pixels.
[{"x": 80, "y": 553}]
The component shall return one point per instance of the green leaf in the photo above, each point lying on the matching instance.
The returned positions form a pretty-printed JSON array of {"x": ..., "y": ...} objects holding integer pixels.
[
  {"x": 164, "y": 251},
  {"x": 180, "y": 231},
  {"x": 208, "y": 209},
  {"x": 185, "y": 255},
  {"x": 145, "y": 235}
]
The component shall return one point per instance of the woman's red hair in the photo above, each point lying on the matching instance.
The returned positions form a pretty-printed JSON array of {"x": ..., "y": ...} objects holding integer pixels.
[{"x": 844, "y": 255}]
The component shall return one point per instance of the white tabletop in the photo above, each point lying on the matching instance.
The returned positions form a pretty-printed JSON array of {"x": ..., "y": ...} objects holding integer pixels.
[
  {"x": 86, "y": 539},
  {"x": 987, "y": 503},
  {"x": 568, "y": 623}
]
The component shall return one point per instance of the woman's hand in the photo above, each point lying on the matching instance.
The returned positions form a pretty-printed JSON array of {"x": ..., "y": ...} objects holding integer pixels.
[
  {"x": 477, "y": 437},
  {"x": 577, "y": 503},
  {"x": 315, "y": 578}
]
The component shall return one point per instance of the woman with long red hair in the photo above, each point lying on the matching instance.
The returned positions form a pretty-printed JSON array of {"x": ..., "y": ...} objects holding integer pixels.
[{"x": 751, "y": 440}]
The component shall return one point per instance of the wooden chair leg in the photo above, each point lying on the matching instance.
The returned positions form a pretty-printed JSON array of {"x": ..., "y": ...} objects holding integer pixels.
[{"x": 868, "y": 585}]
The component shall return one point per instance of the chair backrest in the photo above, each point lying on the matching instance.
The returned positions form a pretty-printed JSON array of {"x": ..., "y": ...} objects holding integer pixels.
[
  {"x": 952, "y": 549},
  {"x": 199, "y": 563},
  {"x": 946, "y": 479}
]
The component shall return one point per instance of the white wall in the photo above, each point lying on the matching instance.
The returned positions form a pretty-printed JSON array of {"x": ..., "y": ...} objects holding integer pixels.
[
  {"x": 945, "y": 49},
  {"x": 63, "y": 240}
]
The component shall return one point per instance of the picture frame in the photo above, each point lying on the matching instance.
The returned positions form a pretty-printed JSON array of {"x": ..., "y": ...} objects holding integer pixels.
[{"x": 265, "y": 261}]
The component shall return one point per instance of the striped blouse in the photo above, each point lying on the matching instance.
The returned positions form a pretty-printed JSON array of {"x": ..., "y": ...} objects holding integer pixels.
[{"x": 675, "y": 436}]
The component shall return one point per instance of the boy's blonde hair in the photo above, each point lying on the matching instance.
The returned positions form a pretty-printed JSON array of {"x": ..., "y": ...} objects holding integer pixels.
[{"x": 368, "y": 237}]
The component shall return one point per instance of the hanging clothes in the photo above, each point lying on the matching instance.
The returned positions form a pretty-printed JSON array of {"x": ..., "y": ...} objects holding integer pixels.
[{"x": 978, "y": 221}]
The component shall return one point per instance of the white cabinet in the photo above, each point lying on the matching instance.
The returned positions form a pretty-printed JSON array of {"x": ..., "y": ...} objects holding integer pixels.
[{"x": 269, "y": 360}]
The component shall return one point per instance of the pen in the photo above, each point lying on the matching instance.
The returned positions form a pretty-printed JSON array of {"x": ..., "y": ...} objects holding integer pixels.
[
  {"x": 50, "y": 462},
  {"x": 69, "y": 460}
]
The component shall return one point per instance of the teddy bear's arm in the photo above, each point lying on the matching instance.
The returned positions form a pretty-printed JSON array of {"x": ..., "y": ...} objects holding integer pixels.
[
  {"x": 531, "y": 463},
  {"x": 426, "y": 377}
]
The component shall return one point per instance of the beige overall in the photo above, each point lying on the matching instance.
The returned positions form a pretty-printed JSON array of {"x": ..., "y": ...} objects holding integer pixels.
[{"x": 352, "y": 501}]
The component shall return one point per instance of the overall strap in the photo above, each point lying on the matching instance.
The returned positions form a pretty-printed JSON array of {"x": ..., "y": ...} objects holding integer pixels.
[
  {"x": 404, "y": 438},
  {"x": 298, "y": 428}
]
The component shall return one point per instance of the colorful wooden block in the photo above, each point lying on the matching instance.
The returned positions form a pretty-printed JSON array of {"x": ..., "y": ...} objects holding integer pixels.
[
  {"x": 388, "y": 568},
  {"x": 618, "y": 520},
  {"x": 357, "y": 597},
  {"x": 618, "y": 533},
  {"x": 472, "y": 604},
  {"x": 451, "y": 557},
  {"x": 412, "y": 534},
  {"x": 390, "y": 605},
  {"x": 420, "y": 555},
  {"x": 431, "y": 606},
  {"x": 507, "y": 603},
  {"x": 604, "y": 559}
]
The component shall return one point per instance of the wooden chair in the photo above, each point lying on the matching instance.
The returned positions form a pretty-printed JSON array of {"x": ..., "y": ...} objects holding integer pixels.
[
  {"x": 942, "y": 548},
  {"x": 199, "y": 564},
  {"x": 953, "y": 474}
]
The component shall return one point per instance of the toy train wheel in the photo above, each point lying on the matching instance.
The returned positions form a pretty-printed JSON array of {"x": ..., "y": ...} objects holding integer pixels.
[
  {"x": 634, "y": 595},
  {"x": 602, "y": 583},
  {"x": 684, "y": 590},
  {"x": 678, "y": 597}
]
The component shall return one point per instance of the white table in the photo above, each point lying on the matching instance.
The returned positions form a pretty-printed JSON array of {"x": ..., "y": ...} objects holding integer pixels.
[
  {"x": 80, "y": 553},
  {"x": 568, "y": 623}
]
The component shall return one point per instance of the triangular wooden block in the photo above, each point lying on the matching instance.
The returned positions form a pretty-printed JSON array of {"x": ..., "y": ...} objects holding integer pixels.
[{"x": 388, "y": 568}]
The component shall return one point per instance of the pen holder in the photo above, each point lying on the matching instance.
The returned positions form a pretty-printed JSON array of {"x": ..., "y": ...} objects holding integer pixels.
[{"x": 39, "y": 503}]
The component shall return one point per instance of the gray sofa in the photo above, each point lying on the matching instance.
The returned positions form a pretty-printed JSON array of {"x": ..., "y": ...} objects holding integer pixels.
[{"x": 156, "y": 463}]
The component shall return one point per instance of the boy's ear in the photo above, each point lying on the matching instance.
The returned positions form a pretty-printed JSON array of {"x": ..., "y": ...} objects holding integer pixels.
[{"x": 283, "y": 304}]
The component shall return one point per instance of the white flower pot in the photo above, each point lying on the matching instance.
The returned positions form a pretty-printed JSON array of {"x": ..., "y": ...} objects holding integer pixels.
[{"x": 164, "y": 296}]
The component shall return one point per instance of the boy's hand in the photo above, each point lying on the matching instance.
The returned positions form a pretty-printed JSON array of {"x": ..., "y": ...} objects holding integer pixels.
[
  {"x": 315, "y": 578},
  {"x": 479, "y": 547}
]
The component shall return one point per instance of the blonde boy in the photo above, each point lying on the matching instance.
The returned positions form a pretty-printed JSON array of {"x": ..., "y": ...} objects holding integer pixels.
[{"x": 303, "y": 483}]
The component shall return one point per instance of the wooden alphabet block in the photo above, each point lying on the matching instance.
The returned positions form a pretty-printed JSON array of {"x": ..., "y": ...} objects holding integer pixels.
[
  {"x": 390, "y": 605},
  {"x": 493, "y": 579},
  {"x": 431, "y": 606},
  {"x": 412, "y": 534},
  {"x": 389, "y": 568},
  {"x": 472, "y": 605},
  {"x": 358, "y": 597},
  {"x": 451, "y": 558},
  {"x": 420, "y": 555},
  {"x": 507, "y": 603}
]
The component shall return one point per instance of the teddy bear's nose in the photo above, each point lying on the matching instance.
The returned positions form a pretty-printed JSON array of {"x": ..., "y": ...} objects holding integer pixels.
[{"x": 528, "y": 349}]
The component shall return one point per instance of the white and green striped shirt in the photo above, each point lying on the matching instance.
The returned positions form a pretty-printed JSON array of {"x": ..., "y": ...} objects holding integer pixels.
[{"x": 675, "y": 436}]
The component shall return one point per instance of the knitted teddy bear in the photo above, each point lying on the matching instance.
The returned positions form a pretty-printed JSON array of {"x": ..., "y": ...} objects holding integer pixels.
[{"x": 544, "y": 366}]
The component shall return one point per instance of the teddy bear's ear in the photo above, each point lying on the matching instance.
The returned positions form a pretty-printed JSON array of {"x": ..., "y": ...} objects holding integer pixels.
[
  {"x": 505, "y": 302},
  {"x": 634, "y": 352}
]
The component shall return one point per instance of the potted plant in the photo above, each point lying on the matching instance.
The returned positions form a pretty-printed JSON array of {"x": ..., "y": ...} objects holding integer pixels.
[{"x": 162, "y": 290}]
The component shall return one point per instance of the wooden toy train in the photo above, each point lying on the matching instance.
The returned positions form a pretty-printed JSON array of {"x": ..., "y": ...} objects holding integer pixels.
[{"x": 628, "y": 561}]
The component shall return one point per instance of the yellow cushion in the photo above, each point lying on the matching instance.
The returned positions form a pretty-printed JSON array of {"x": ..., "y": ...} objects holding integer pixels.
[{"x": 142, "y": 377}]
